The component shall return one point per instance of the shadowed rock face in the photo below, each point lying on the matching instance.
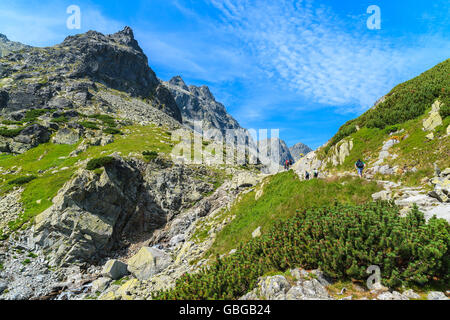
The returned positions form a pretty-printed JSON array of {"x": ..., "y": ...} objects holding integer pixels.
[
  {"x": 93, "y": 213},
  {"x": 34, "y": 77}
]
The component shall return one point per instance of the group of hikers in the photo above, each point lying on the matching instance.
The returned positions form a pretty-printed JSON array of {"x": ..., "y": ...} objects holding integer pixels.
[
  {"x": 359, "y": 166},
  {"x": 288, "y": 163}
]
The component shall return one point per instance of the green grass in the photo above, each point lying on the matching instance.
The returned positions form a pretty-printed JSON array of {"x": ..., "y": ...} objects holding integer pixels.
[
  {"x": 89, "y": 125},
  {"x": 10, "y": 133},
  {"x": 21, "y": 180},
  {"x": 284, "y": 195},
  {"x": 46, "y": 161},
  {"x": 99, "y": 162},
  {"x": 414, "y": 151},
  {"x": 367, "y": 142},
  {"x": 407, "y": 101}
]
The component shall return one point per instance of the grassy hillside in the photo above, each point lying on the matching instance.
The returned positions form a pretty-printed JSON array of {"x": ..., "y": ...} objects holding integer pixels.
[
  {"x": 406, "y": 101},
  {"x": 319, "y": 224},
  {"x": 50, "y": 166},
  {"x": 283, "y": 196}
]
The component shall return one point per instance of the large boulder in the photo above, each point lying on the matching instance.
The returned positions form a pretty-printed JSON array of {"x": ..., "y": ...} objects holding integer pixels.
[
  {"x": 148, "y": 262},
  {"x": 67, "y": 136},
  {"x": 434, "y": 119},
  {"x": 29, "y": 138},
  {"x": 90, "y": 213},
  {"x": 115, "y": 269}
]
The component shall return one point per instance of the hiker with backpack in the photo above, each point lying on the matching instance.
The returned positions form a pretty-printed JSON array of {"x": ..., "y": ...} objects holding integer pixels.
[
  {"x": 306, "y": 175},
  {"x": 360, "y": 165},
  {"x": 316, "y": 173}
]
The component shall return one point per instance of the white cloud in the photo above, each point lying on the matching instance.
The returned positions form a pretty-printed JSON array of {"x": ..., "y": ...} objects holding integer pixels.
[
  {"x": 46, "y": 25},
  {"x": 311, "y": 51}
]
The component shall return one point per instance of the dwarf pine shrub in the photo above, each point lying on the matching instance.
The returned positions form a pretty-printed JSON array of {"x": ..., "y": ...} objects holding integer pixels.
[
  {"x": 10, "y": 133},
  {"x": 98, "y": 163},
  {"x": 22, "y": 180},
  {"x": 150, "y": 155},
  {"x": 341, "y": 240}
]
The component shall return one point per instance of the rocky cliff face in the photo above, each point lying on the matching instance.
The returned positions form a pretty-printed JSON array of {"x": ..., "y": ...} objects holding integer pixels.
[
  {"x": 199, "y": 104},
  {"x": 38, "y": 77},
  {"x": 299, "y": 150},
  {"x": 94, "y": 213},
  {"x": 7, "y": 46}
]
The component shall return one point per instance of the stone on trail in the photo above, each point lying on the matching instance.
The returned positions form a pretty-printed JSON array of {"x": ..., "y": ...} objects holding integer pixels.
[
  {"x": 436, "y": 295},
  {"x": 115, "y": 269},
  {"x": 148, "y": 262},
  {"x": 256, "y": 233}
]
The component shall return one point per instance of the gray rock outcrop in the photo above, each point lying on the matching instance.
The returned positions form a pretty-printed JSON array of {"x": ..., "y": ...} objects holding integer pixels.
[
  {"x": 198, "y": 104},
  {"x": 92, "y": 212},
  {"x": 299, "y": 150}
]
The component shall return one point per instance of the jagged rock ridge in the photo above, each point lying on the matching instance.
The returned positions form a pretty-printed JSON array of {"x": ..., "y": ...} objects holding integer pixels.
[
  {"x": 199, "y": 104},
  {"x": 299, "y": 150},
  {"x": 35, "y": 77}
]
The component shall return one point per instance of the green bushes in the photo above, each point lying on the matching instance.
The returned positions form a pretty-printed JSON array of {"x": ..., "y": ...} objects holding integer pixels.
[
  {"x": 150, "y": 155},
  {"x": 341, "y": 240},
  {"x": 10, "y": 133},
  {"x": 112, "y": 131},
  {"x": 22, "y": 180},
  {"x": 445, "y": 110},
  {"x": 99, "y": 162},
  {"x": 12, "y": 122},
  {"x": 89, "y": 125},
  {"x": 406, "y": 101},
  {"x": 61, "y": 119},
  {"x": 107, "y": 120}
]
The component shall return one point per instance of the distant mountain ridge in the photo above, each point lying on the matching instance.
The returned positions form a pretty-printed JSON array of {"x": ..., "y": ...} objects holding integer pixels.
[
  {"x": 299, "y": 150},
  {"x": 199, "y": 104},
  {"x": 7, "y": 46}
]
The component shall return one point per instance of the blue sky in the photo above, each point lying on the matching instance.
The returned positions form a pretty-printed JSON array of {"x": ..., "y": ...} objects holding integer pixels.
[{"x": 303, "y": 66}]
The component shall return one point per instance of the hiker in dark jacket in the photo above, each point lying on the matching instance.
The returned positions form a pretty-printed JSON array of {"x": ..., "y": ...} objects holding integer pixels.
[
  {"x": 360, "y": 165},
  {"x": 316, "y": 173},
  {"x": 306, "y": 175}
]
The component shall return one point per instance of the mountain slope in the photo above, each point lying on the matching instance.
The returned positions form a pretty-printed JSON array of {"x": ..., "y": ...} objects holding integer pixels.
[
  {"x": 7, "y": 46},
  {"x": 47, "y": 77}
]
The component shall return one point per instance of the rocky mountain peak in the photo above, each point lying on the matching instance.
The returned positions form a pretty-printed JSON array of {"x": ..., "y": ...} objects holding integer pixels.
[
  {"x": 7, "y": 46},
  {"x": 202, "y": 92},
  {"x": 178, "y": 82},
  {"x": 126, "y": 37},
  {"x": 298, "y": 150}
]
